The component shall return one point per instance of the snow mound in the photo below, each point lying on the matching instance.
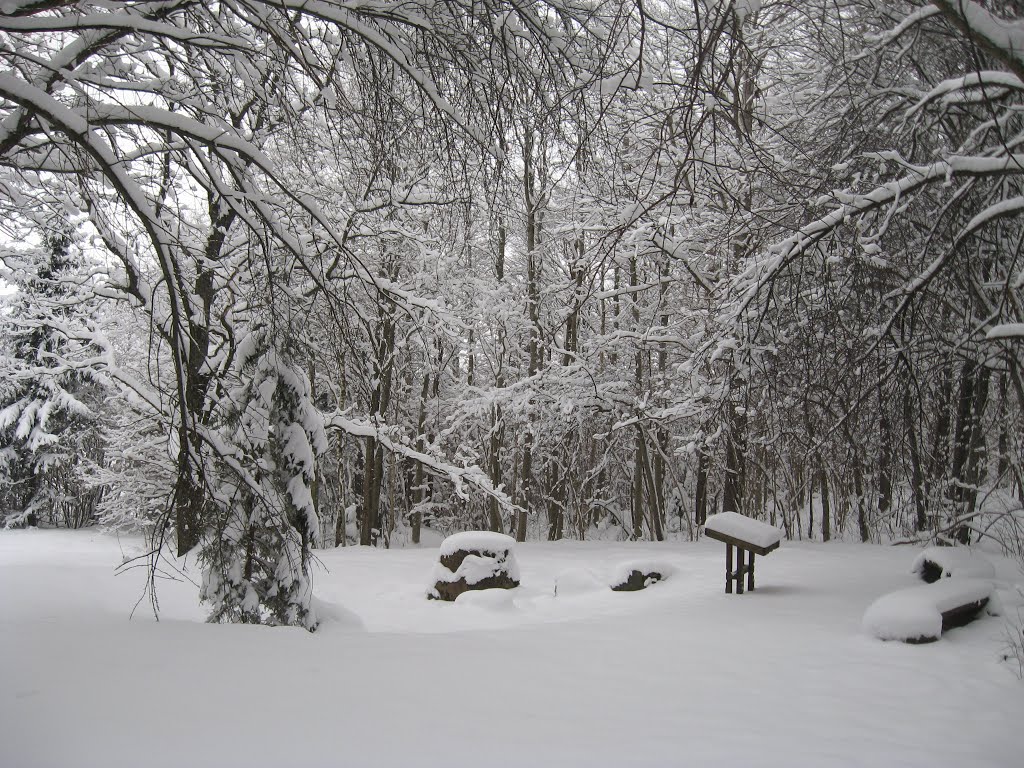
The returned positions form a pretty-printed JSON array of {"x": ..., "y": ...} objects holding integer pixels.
[
  {"x": 742, "y": 527},
  {"x": 647, "y": 572},
  {"x": 334, "y": 614},
  {"x": 916, "y": 615},
  {"x": 477, "y": 541},
  {"x": 487, "y": 599},
  {"x": 936, "y": 563},
  {"x": 577, "y": 581}
]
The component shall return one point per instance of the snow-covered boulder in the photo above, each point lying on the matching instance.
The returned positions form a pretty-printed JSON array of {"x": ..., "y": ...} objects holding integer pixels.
[
  {"x": 937, "y": 563},
  {"x": 921, "y": 614},
  {"x": 474, "y": 560},
  {"x": 634, "y": 576}
]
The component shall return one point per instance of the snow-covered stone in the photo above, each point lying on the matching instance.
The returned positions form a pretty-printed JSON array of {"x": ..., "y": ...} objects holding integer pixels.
[
  {"x": 920, "y": 614},
  {"x": 633, "y": 575},
  {"x": 936, "y": 563},
  {"x": 744, "y": 528},
  {"x": 474, "y": 560}
]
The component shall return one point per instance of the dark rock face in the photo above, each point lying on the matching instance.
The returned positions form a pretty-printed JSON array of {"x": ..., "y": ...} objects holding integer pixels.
[
  {"x": 637, "y": 580},
  {"x": 453, "y": 561},
  {"x": 931, "y": 572},
  {"x": 449, "y": 590},
  {"x": 962, "y": 615}
]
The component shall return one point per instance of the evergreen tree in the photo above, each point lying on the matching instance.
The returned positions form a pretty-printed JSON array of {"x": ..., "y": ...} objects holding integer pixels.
[
  {"x": 48, "y": 430},
  {"x": 265, "y": 519}
]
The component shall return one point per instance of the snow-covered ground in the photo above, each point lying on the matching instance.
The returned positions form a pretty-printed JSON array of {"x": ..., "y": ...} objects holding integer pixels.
[{"x": 679, "y": 674}]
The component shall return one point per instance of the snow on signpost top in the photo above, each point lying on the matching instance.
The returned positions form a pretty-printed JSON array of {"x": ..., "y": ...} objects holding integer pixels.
[
  {"x": 477, "y": 541},
  {"x": 744, "y": 528}
]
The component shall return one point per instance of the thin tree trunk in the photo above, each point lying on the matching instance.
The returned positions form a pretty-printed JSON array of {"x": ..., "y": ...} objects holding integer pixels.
[
  {"x": 810, "y": 506},
  {"x": 700, "y": 512},
  {"x": 916, "y": 469},
  {"x": 533, "y": 312},
  {"x": 826, "y": 507},
  {"x": 735, "y": 449},
  {"x": 637, "y": 496},
  {"x": 970, "y": 408},
  {"x": 884, "y": 457}
]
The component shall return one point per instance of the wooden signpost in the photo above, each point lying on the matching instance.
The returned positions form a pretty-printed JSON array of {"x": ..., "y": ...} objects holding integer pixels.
[{"x": 749, "y": 538}]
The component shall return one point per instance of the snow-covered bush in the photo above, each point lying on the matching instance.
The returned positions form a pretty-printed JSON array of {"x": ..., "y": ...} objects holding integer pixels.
[{"x": 256, "y": 554}]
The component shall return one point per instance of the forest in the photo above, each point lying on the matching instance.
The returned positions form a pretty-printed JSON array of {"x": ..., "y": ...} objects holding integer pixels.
[{"x": 282, "y": 276}]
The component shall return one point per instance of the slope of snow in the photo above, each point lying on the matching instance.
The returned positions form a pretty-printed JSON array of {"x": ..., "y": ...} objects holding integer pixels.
[{"x": 679, "y": 675}]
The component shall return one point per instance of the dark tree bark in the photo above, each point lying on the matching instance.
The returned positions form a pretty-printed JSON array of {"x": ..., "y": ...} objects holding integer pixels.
[{"x": 700, "y": 512}]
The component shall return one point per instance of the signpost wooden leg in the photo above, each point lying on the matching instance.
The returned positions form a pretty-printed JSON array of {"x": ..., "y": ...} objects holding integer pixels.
[
  {"x": 728, "y": 569},
  {"x": 733, "y": 531},
  {"x": 739, "y": 569}
]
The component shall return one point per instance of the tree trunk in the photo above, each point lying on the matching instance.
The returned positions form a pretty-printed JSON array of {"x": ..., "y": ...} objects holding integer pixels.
[
  {"x": 858, "y": 494},
  {"x": 419, "y": 486},
  {"x": 884, "y": 456},
  {"x": 810, "y": 506},
  {"x": 530, "y": 196},
  {"x": 637, "y": 496},
  {"x": 700, "y": 496},
  {"x": 826, "y": 507},
  {"x": 735, "y": 461},
  {"x": 189, "y": 506},
  {"x": 968, "y": 444},
  {"x": 1003, "y": 444},
  {"x": 916, "y": 469}
]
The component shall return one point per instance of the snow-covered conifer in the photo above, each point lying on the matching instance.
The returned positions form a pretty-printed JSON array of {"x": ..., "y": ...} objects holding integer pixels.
[
  {"x": 257, "y": 556},
  {"x": 48, "y": 431}
]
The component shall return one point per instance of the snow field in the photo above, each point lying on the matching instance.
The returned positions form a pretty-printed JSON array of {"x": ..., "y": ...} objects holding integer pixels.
[{"x": 679, "y": 674}]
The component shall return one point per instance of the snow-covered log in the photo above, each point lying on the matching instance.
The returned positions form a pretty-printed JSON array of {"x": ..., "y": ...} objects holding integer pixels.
[{"x": 921, "y": 614}]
